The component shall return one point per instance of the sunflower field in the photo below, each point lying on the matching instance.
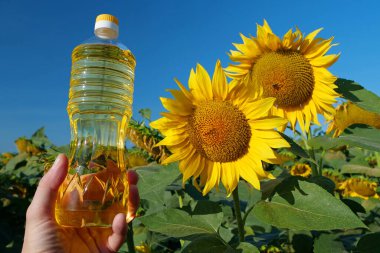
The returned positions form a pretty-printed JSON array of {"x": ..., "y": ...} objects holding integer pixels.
[{"x": 272, "y": 153}]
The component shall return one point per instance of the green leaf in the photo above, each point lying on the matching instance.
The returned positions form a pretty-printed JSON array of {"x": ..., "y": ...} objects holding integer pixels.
[
  {"x": 226, "y": 233},
  {"x": 153, "y": 179},
  {"x": 328, "y": 243},
  {"x": 177, "y": 223},
  {"x": 324, "y": 182},
  {"x": 145, "y": 113},
  {"x": 210, "y": 212},
  {"x": 361, "y": 136},
  {"x": 369, "y": 243},
  {"x": 325, "y": 142},
  {"x": 355, "y": 135},
  {"x": 294, "y": 147},
  {"x": 257, "y": 225},
  {"x": 245, "y": 247},
  {"x": 16, "y": 162},
  {"x": 267, "y": 187},
  {"x": 207, "y": 244},
  {"x": 358, "y": 95},
  {"x": 248, "y": 194},
  {"x": 301, "y": 205},
  {"x": 359, "y": 169},
  {"x": 335, "y": 159},
  {"x": 40, "y": 139}
]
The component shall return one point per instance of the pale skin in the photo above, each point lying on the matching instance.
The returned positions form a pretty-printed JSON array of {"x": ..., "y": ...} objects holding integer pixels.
[{"x": 44, "y": 235}]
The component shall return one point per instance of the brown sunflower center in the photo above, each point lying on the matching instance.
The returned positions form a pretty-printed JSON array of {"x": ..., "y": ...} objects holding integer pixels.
[
  {"x": 285, "y": 75},
  {"x": 300, "y": 169},
  {"x": 219, "y": 131}
]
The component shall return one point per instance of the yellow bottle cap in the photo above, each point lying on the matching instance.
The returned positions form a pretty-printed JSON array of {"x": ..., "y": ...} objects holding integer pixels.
[
  {"x": 107, "y": 17},
  {"x": 106, "y": 27}
]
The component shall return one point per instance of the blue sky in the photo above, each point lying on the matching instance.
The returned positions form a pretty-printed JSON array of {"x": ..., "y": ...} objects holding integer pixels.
[{"x": 167, "y": 38}]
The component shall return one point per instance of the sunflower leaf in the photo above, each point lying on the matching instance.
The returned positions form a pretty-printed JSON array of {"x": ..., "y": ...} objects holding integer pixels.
[
  {"x": 359, "y": 169},
  {"x": 358, "y": 94},
  {"x": 355, "y": 135},
  {"x": 301, "y": 205},
  {"x": 177, "y": 223},
  {"x": 328, "y": 243},
  {"x": 208, "y": 243},
  {"x": 294, "y": 147},
  {"x": 153, "y": 180}
]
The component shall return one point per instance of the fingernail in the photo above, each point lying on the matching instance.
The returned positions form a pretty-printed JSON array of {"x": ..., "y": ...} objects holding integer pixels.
[{"x": 57, "y": 160}]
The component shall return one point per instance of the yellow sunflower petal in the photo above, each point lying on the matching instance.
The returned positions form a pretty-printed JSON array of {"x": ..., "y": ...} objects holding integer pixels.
[
  {"x": 173, "y": 140},
  {"x": 179, "y": 155},
  {"x": 318, "y": 49},
  {"x": 219, "y": 81},
  {"x": 177, "y": 107},
  {"x": 213, "y": 178},
  {"x": 250, "y": 177},
  {"x": 204, "y": 82},
  {"x": 184, "y": 90},
  {"x": 325, "y": 61},
  {"x": 270, "y": 123},
  {"x": 190, "y": 167}
]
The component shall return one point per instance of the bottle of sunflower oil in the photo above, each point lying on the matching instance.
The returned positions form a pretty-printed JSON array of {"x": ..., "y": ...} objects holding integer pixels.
[{"x": 99, "y": 109}]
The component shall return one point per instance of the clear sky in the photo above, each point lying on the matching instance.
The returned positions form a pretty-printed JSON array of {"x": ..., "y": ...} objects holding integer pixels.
[{"x": 167, "y": 37}]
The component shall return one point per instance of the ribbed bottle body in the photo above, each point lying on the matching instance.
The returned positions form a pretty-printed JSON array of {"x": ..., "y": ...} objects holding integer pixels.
[{"x": 99, "y": 108}]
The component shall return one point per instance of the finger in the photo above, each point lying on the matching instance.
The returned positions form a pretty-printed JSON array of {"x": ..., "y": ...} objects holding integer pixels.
[
  {"x": 133, "y": 177},
  {"x": 119, "y": 230},
  {"x": 44, "y": 198},
  {"x": 133, "y": 202}
]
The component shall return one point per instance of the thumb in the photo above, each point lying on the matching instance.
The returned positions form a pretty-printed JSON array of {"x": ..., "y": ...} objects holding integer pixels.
[{"x": 44, "y": 199}]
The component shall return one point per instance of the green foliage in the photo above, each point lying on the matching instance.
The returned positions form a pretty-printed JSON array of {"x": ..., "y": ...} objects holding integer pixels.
[
  {"x": 328, "y": 243},
  {"x": 356, "y": 136},
  {"x": 358, "y": 94},
  {"x": 301, "y": 205},
  {"x": 18, "y": 182}
]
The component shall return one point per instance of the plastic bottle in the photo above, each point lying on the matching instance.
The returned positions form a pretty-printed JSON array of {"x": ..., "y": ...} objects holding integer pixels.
[{"x": 99, "y": 108}]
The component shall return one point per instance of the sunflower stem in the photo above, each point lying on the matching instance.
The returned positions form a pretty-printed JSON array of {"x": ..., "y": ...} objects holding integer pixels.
[
  {"x": 235, "y": 196},
  {"x": 314, "y": 169},
  {"x": 130, "y": 243}
]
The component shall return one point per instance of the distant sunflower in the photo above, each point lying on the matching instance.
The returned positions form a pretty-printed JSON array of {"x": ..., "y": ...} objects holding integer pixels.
[
  {"x": 348, "y": 114},
  {"x": 293, "y": 70},
  {"x": 218, "y": 134},
  {"x": 359, "y": 187},
  {"x": 300, "y": 169}
]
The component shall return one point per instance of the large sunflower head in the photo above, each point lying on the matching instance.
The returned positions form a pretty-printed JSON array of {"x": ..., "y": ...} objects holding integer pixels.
[
  {"x": 292, "y": 69},
  {"x": 217, "y": 133}
]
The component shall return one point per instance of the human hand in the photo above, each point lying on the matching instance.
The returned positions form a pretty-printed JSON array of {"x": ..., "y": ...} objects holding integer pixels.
[{"x": 43, "y": 234}]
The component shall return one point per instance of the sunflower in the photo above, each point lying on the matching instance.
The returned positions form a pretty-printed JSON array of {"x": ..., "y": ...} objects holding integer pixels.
[
  {"x": 300, "y": 169},
  {"x": 217, "y": 133},
  {"x": 292, "y": 69},
  {"x": 348, "y": 114},
  {"x": 359, "y": 187}
]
